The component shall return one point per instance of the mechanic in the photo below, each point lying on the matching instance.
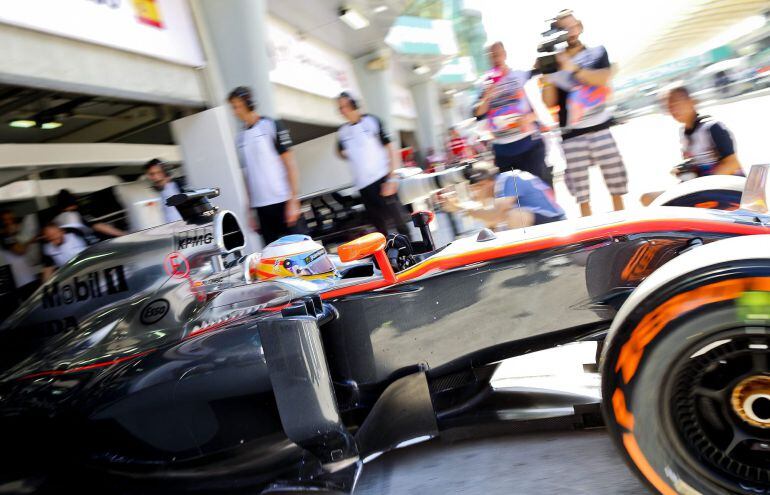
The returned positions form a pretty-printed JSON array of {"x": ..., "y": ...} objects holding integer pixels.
[
  {"x": 270, "y": 171},
  {"x": 365, "y": 144},
  {"x": 61, "y": 245},
  {"x": 581, "y": 88},
  {"x": 707, "y": 144},
  {"x": 15, "y": 250},
  {"x": 517, "y": 143},
  {"x": 705, "y": 141},
  {"x": 458, "y": 148},
  {"x": 156, "y": 173},
  {"x": 69, "y": 217},
  {"x": 508, "y": 200}
]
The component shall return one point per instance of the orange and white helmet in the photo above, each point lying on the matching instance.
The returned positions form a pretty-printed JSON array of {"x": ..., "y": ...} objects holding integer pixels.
[{"x": 293, "y": 256}]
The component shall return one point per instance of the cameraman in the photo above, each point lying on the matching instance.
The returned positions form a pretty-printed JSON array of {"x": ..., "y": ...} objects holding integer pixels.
[
  {"x": 517, "y": 142},
  {"x": 581, "y": 88}
]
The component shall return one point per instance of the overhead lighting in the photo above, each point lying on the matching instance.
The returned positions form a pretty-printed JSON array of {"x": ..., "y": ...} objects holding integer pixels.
[
  {"x": 421, "y": 69},
  {"x": 50, "y": 125},
  {"x": 22, "y": 123},
  {"x": 380, "y": 9},
  {"x": 352, "y": 18}
]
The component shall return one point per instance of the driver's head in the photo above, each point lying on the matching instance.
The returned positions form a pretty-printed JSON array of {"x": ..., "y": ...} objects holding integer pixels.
[
  {"x": 482, "y": 182},
  {"x": 497, "y": 55},
  {"x": 680, "y": 105},
  {"x": 156, "y": 173},
  {"x": 53, "y": 234},
  {"x": 566, "y": 20}
]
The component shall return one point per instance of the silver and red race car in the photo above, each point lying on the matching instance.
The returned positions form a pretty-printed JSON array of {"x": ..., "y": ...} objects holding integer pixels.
[{"x": 158, "y": 362}]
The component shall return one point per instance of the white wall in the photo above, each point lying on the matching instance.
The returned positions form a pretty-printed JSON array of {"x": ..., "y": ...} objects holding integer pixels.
[
  {"x": 320, "y": 169},
  {"x": 30, "y": 58}
]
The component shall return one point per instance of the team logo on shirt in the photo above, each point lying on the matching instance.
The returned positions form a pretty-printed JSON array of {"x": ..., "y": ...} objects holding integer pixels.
[{"x": 89, "y": 286}]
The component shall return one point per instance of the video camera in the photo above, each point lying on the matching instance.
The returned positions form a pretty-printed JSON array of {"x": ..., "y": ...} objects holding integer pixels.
[{"x": 554, "y": 41}]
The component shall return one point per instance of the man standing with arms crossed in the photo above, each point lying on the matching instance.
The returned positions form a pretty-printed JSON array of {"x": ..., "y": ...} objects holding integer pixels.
[
  {"x": 269, "y": 169},
  {"x": 581, "y": 89},
  {"x": 510, "y": 117},
  {"x": 363, "y": 142}
]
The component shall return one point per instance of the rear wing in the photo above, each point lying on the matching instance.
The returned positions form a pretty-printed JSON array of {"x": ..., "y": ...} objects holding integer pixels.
[{"x": 755, "y": 195}]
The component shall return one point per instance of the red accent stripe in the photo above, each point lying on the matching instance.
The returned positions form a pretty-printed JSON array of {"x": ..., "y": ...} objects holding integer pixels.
[
  {"x": 87, "y": 367},
  {"x": 443, "y": 263}
]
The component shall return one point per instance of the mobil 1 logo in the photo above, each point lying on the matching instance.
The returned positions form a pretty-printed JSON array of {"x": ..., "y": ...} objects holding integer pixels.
[{"x": 84, "y": 287}]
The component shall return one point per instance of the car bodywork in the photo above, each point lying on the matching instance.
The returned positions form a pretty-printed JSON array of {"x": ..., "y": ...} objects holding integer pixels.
[{"x": 155, "y": 357}]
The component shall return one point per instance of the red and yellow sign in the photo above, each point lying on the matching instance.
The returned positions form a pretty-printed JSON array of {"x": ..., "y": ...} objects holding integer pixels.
[{"x": 147, "y": 12}]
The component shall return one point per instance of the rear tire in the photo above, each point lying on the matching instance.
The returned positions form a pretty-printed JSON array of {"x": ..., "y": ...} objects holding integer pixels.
[{"x": 670, "y": 379}]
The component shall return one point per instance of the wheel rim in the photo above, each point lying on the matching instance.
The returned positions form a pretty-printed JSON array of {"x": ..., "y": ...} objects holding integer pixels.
[{"x": 720, "y": 408}]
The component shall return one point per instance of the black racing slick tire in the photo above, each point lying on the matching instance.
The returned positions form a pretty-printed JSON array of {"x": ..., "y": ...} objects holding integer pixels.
[{"x": 686, "y": 387}]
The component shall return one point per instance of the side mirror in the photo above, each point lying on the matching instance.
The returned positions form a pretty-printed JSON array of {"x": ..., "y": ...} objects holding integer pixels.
[{"x": 362, "y": 247}]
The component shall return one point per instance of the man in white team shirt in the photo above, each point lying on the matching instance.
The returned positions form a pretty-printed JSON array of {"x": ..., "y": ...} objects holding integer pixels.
[
  {"x": 156, "y": 173},
  {"x": 60, "y": 245},
  {"x": 271, "y": 174},
  {"x": 363, "y": 142}
]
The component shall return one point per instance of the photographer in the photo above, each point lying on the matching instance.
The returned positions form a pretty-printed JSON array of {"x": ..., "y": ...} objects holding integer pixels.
[
  {"x": 581, "y": 88},
  {"x": 708, "y": 147},
  {"x": 507, "y": 200},
  {"x": 510, "y": 118}
]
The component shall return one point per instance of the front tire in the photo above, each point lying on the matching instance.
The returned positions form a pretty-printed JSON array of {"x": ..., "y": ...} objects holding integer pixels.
[{"x": 686, "y": 384}]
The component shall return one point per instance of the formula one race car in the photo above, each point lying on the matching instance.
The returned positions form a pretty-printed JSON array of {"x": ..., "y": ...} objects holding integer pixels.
[{"x": 161, "y": 362}]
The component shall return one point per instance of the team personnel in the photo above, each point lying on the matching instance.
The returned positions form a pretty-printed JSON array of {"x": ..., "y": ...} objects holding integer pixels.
[
  {"x": 581, "y": 89},
  {"x": 270, "y": 171},
  {"x": 458, "y": 147},
  {"x": 60, "y": 245},
  {"x": 510, "y": 199},
  {"x": 155, "y": 170},
  {"x": 707, "y": 144},
  {"x": 69, "y": 217},
  {"x": 705, "y": 141},
  {"x": 517, "y": 142},
  {"x": 14, "y": 250},
  {"x": 363, "y": 142}
]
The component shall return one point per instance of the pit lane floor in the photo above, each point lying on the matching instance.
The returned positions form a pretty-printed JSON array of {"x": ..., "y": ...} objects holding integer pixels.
[{"x": 561, "y": 461}]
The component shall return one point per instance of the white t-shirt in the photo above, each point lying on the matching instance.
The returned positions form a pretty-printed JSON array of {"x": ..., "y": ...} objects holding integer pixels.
[
  {"x": 68, "y": 249},
  {"x": 23, "y": 272},
  {"x": 170, "y": 213},
  {"x": 260, "y": 148},
  {"x": 364, "y": 144}
]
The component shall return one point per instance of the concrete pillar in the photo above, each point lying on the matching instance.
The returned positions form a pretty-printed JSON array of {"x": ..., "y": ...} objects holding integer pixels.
[
  {"x": 236, "y": 41},
  {"x": 375, "y": 78},
  {"x": 211, "y": 160},
  {"x": 429, "y": 121}
]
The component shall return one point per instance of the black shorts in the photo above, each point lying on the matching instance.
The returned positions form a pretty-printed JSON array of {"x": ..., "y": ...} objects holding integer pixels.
[
  {"x": 532, "y": 161},
  {"x": 272, "y": 222}
]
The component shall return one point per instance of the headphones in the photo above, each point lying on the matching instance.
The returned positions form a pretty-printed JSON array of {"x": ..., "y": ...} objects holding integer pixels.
[
  {"x": 349, "y": 97},
  {"x": 244, "y": 93}
]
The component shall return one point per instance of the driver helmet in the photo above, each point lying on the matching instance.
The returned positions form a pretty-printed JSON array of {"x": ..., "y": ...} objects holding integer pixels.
[{"x": 294, "y": 256}]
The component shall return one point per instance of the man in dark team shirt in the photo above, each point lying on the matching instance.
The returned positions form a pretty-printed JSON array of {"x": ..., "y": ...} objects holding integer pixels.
[
  {"x": 269, "y": 168},
  {"x": 707, "y": 144},
  {"x": 363, "y": 142},
  {"x": 705, "y": 141},
  {"x": 581, "y": 89}
]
